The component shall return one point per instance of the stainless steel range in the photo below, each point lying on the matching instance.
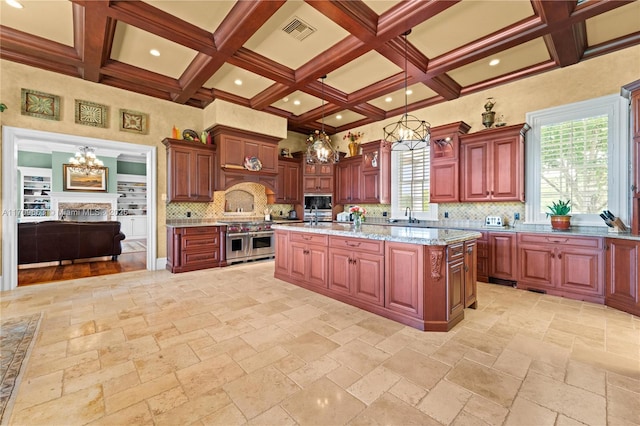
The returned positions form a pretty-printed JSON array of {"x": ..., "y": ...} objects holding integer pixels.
[{"x": 249, "y": 241}]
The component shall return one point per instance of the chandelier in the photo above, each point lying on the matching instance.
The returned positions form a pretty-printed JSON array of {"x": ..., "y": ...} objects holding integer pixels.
[
  {"x": 319, "y": 149},
  {"x": 85, "y": 161},
  {"x": 409, "y": 133}
]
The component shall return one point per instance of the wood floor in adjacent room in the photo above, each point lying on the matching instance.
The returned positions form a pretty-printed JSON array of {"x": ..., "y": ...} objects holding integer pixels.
[{"x": 126, "y": 262}]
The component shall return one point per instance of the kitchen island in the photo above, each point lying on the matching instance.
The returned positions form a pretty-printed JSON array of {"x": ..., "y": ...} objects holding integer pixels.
[{"x": 420, "y": 277}]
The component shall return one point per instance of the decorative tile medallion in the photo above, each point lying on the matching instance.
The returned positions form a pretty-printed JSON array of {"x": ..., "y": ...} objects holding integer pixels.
[
  {"x": 91, "y": 114},
  {"x": 41, "y": 105},
  {"x": 134, "y": 121}
]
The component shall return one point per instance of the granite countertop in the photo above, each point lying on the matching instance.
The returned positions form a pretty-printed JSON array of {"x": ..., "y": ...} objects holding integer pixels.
[{"x": 412, "y": 235}]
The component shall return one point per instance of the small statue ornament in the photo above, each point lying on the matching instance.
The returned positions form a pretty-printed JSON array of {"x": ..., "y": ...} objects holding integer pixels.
[{"x": 488, "y": 116}]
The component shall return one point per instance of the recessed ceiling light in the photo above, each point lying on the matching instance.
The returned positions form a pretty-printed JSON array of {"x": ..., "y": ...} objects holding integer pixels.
[
  {"x": 154, "y": 52},
  {"x": 14, "y": 3},
  {"x": 409, "y": 92},
  {"x": 237, "y": 82},
  {"x": 494, "y": 62},
  {"x": 338, "y": 117},
  {"x": 296, "y": 102},
  {"x": 388, "y": 99}
]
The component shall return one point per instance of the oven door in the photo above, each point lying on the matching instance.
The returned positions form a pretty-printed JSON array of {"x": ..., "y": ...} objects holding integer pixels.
[
  {"x": 237, "y": 247},
  {"x": 261, "y": 244}
]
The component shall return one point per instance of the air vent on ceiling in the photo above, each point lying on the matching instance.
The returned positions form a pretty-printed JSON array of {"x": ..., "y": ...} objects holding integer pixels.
[{"x": 298, "y": 29}]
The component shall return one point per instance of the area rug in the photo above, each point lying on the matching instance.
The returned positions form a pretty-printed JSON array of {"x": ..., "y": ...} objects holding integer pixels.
[
  {"x": 16, "y": 340},
  {"x": 133, "y": 246}
]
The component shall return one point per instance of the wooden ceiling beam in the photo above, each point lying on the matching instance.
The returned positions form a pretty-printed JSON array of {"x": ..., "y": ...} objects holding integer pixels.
[
  {"x": 352, "y": 15},
  {"x": 33, "y": 61},
  {"x": 93, "y": 34},
  {"x": 258, "y": 64},
  {"x": 566, "y": 45},
  {"x": 244, "y": 19},
  {"x": 137, "y": 88},
  {"x": 21, "y": 43},
  {"x": 155, "y": 21},
  {"x": 138, "y": 76}
]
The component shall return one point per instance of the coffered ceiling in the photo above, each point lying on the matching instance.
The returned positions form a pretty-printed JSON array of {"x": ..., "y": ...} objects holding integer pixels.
[{"x": 270, "y": 55}]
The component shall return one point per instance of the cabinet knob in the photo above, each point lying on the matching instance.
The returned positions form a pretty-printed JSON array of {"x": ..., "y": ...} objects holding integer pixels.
[
  {"x": 470, "y": 250},
  {"x": 553, "y": 256},
  {"x": 560, "y": 256}
]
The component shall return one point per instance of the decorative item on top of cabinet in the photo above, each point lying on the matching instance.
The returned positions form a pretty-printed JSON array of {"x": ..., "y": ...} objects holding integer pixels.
[
  {"x": 445, "y": 149},
  {"x": 488, "y": 115},
  {"x": 190, "y": 171},
  {"x": 492, "y": 164}
]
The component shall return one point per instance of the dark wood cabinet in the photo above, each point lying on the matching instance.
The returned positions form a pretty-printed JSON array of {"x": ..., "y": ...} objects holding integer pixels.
[
  {"x": 562, "y": 265},
  {"x": 195, "y": 247},
  {"x": 288, "y": 183},
  {"x": 492, "y": 164},
  {"x": 445, "y": 175},
  {"x": 190, "y": 171},
  {"x": 281, "y": 261},
  {"x": 632, "y": 91},
  {"x": 356, "y": 269},
  {"x": 404, "y": 269},
  {"x": 623, "y": 275},
  {"x": 455, "y": 279},
  {"x": 482, "y": 249},
  {"x": 234, "y": 147},
  {"x": 318, "y": 179},
  {"x": 376, "y": 173},
  {"x": 471, "y": 274},
  {"x": 503, "y": 256},
  {"x": 348, "y": 178}
]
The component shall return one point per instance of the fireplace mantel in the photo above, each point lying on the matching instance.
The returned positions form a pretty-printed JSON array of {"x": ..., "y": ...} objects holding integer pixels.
[{"x": 85, "y": 200}]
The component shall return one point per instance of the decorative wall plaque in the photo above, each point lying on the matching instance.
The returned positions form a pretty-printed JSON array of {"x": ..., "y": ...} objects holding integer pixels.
[
  {"x": 41, "y": 105},
  {"x": 91, "y": 114},
  {"x": 134, "y": 121}
]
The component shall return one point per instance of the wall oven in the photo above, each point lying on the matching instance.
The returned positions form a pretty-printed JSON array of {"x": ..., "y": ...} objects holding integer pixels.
[{"x": 323, "y": 202}]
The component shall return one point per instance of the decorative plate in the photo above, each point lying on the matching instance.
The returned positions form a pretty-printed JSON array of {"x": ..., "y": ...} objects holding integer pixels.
[
  {"x": 253, "y": 164},
  {"x": 190, "y": 135}
]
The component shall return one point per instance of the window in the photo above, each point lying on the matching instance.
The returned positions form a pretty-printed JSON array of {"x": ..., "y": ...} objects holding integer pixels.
[
  {"x": 579, "y": 152},
  {"x": 410, "y": 184}
]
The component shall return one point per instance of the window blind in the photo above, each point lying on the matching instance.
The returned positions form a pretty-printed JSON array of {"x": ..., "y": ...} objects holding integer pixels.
[
  {"x": 574, "y": 164},
  {"x": 412, "y": 184}
]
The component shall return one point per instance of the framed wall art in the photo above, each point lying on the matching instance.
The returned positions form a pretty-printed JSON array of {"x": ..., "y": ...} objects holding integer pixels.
[
  {"x": 81, "y": 179},
  {"x": 41, "y": 105},
  {"x": 91, "y": 114},
  {"x": 134, "y": 121}
]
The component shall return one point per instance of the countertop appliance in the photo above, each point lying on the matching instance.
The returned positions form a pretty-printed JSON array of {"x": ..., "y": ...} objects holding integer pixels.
[{"x": 249, "y": 241}]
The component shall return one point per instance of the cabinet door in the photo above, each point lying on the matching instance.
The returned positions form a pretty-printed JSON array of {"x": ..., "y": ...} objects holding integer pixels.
[
  {"x": 536, "y": 266},
  {"x": 340, "y": 271},
  {"x": 502, "y": 256},
  {"x": 475, "y": 172},
  {"x": 139, "y": 227},
  {"x": 506, "y": 170},
  {"x": 282, "y": 251},
  {"x": 202, "y": 179},
  {"x": 126, "y": 226},
  {"x": 403, "y": 272},
  {"x": 581, "y": 271},
  {"x": 298, "y": 254},
  {"x": 455, "y": 293},
  {"x": 343, "y": 184},
  {"x": 317, "y": 261},
  {"x": 623, "y": 275},
  {"x": 444, "y": 182},
  {"x": 292, "y": 183},
  {"x": 325, "y": 184},
  {"x": 470, "y": 277},
  {"x": 356, "y": 175},
  {"x": 281, "y": 194},
  {"x": 269, "y": 157},
  {"x": 371, "y": 187},
  {"x": 368, "y": 278},
  {"x": 232, "y": 151},
  {"x": 180, "y": 174}
]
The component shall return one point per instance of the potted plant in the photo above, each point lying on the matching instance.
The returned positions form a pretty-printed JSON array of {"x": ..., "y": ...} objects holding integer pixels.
[{"x": 559, "y": 213}]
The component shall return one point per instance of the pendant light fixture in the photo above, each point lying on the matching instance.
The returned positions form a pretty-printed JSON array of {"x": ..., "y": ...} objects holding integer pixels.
[
  {"x": 409, "y": 133},
  {"x": 85, "y": 161},
  {"x": 319, "y": 148}
]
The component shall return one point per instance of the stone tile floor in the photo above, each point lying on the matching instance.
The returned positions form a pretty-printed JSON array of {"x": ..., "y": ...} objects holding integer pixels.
[{"x": 236, "y": 346}]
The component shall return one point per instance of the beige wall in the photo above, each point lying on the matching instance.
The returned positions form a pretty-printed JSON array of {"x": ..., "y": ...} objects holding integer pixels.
[{"x": 593, "y": 78}]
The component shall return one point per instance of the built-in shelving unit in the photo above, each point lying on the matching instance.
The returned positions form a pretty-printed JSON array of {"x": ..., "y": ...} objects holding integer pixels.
[
  {"x": 132, "y": 205},
  {"x": 35, "y": 189}
]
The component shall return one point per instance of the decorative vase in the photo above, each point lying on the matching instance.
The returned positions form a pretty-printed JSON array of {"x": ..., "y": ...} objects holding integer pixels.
[
  {"x": 353, "y": 149},
  {"x": 488, "y": 116},
  {"x": 357, "y": 222},
  {"x": 560, "y": 223}
]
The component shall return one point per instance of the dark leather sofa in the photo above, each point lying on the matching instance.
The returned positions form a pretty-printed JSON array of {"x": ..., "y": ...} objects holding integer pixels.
[{"x": 57, "y": 240}]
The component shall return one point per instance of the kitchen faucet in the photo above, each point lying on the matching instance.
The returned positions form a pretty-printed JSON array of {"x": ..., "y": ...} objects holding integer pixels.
[
  {"x": 411, "y": 220},
  {"x": 314, "y": 219}
]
